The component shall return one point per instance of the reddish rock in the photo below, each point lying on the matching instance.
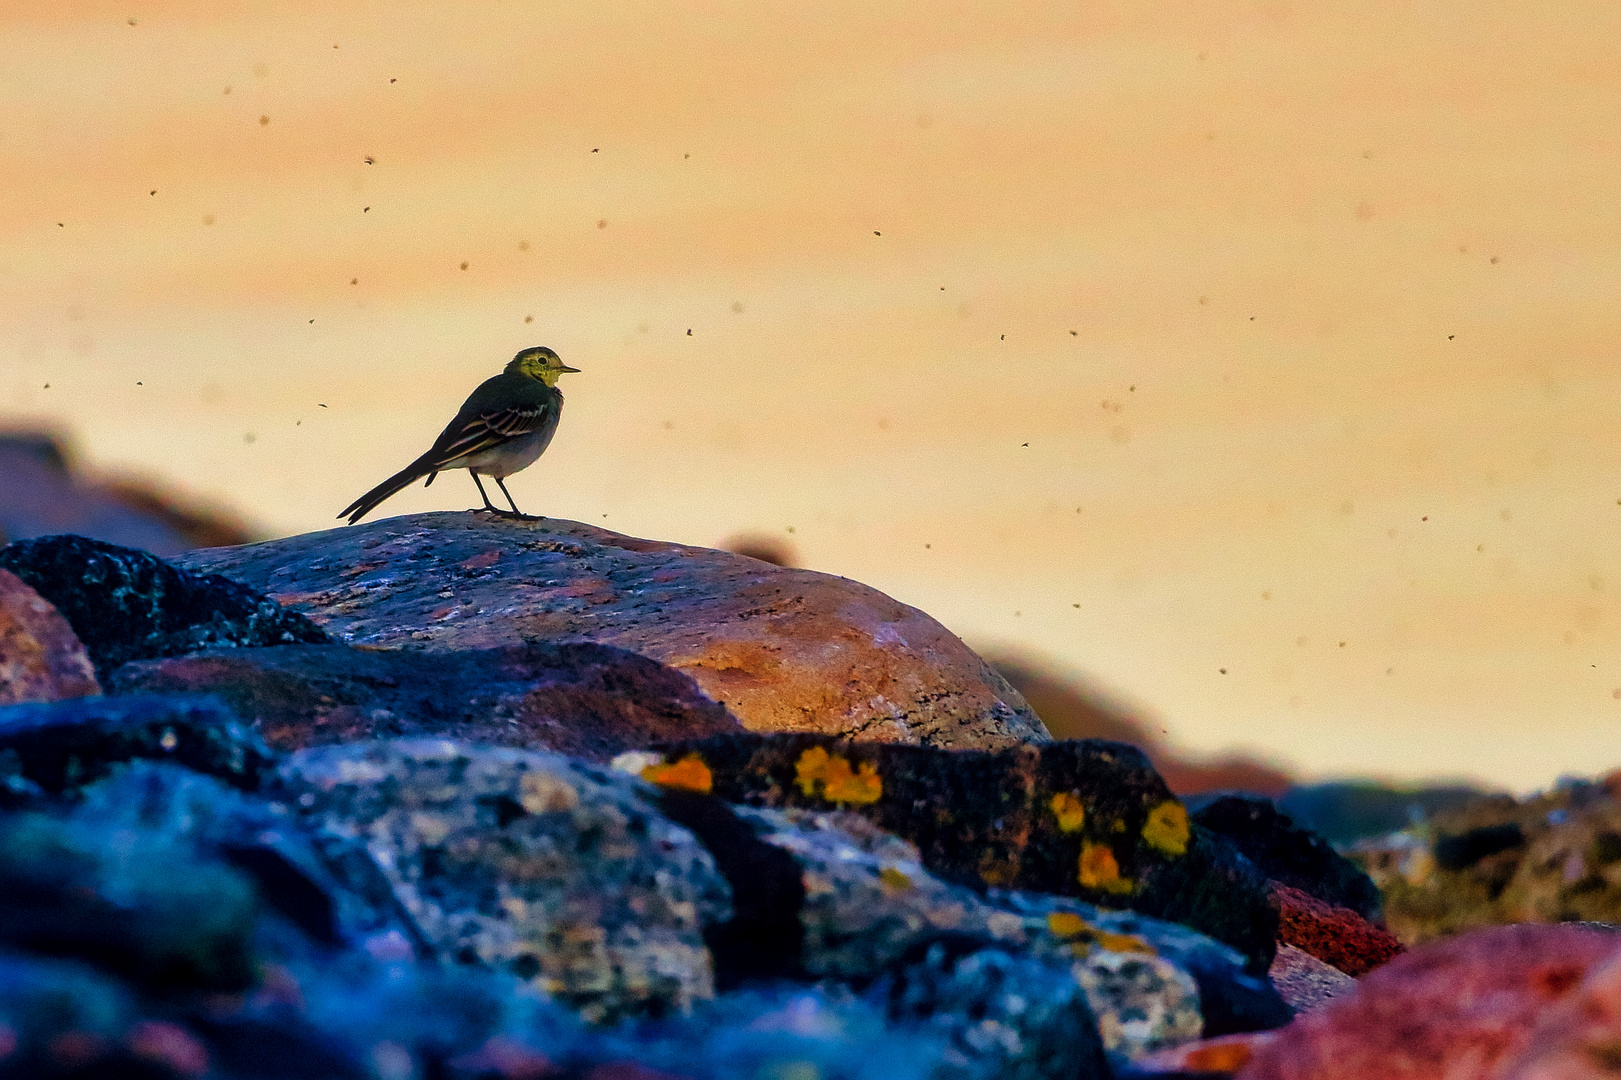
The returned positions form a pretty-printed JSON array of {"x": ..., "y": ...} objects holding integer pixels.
[
  {"x": 1459, "y": 1009},
  {"x": 1579, "y": 1038},
  {"x": 591, "y": 701},
  {"x": 1206, "y": 1058},
  {"x": 1334, "y": 935},
  {"x": 40, "y": 658},
  {"x": 781, "y": 649}
]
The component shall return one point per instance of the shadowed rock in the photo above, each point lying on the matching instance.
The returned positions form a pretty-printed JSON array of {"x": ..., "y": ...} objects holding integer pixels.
[
  {"x": 1089, "y": 819},
  {"x": 781, "y": 649},
  {"x": 588, "y": 700},
  {"x": 127, "y": 605}
]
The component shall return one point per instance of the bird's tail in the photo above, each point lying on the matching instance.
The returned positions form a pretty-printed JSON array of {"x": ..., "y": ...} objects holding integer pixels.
[{"x": 393, "y": 485}]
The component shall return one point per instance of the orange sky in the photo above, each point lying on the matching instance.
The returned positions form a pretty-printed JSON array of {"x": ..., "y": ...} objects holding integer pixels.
[{"x": 1307, "y": 313}]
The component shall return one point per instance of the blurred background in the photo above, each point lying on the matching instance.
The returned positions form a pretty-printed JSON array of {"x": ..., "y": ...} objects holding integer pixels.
[{"x": 1244, "y": 371}]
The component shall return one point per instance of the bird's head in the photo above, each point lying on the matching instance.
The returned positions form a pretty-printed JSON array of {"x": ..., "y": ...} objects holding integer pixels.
[{"x": 539, "y": 363}]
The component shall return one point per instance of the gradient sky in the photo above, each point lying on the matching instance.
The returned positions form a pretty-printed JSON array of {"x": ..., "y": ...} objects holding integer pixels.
[{"x": 1257, "y": 361}]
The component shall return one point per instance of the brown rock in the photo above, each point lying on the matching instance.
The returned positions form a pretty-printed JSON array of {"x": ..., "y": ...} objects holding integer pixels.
[
  {"x": 1459, "y": 1009},
  {"x": 781, "y": 649},
  {"x": 591, "y": 701},
  {"x": 1335, "y": 935},
  {"x": 40, "y": 658}
]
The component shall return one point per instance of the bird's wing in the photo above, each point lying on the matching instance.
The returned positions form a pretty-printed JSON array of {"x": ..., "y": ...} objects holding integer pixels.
[{"x": 482, "y": 429}]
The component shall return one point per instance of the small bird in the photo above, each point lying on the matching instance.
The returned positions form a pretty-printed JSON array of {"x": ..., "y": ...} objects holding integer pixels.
[{"x": 503, "y": 426}]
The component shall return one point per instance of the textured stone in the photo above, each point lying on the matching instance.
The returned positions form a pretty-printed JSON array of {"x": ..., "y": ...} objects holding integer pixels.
[
  {"x": 781, "y": 649},
  {"x": 578, "y": 698},
  {"x": 527, "y": 862},
  {"x": 1088, "y": 819},
  {"x": 1306, "y": 983},
  {"x": 1578, "y": 1038},
  {"x": 1460, "y": 1008},
  {"x": 1334, "y": 935},
  {"x": 62, "y": 745},
  {"x": 126, "y": 604},
  {"x": 40, "y": 658},
  {"x": 1288, "y": 853}
]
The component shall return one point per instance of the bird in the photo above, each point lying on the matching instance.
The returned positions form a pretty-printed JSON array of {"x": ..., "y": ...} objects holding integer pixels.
[{"x": 503, "y": 426}]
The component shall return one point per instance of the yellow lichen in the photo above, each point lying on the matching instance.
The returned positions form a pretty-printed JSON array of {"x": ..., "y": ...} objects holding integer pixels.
[
  {"x": 1167, "y": 828},
  {"x": 894, "y": 879},
  {"x": 1070, "y": 811},
  {"x": 1122, "y": 942},
  {"x": 1067, "y": 924},
  {"x": 688, "y": 774},
  {"x": 838, "y": 782},
  {"x": 1099, "y": 870}
]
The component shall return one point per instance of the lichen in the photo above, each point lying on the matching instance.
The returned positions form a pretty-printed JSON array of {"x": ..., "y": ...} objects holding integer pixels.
[
  {"x": 688, "y": 774},
  {"x": 837, "y": 781},
  {"x": 1070, "y": 812},
  {"x": 1167, "y": 828},
  {"x": 1099, "y": 870}
]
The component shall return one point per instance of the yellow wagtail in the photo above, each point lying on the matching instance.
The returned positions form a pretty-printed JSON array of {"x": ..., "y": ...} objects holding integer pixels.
[{"x": 503, "y": 427}]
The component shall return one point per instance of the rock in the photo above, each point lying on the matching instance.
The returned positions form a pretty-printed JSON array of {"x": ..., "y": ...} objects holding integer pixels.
[
  {"x": 1086, "y": 819},
  {"x": 129, "y": 605},
  {"x": 62, "y": 745},
  {"x": 781, "y": 649},
  {"x": 528, "y": 863},
  {"x": 1552, "y": 857},
  {"x": 1334, "y": 935},
  {"x": 1460, "y": 1008},
  {"x": 1026, "y": 1019},
  {"x": 40, "y": 659},
  {"x": 1203, "y": 1060},
  {"x": 1306, "y": 983},
  {"x": 1287, "y": 853},
  {"x": 578, "y": 698},
  {"x": 1577, "y": 1038},
  {"x": 1343, "y": 811}
]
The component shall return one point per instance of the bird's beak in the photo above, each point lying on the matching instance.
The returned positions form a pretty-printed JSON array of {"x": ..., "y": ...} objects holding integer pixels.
[{"x": 565, "y": 367}]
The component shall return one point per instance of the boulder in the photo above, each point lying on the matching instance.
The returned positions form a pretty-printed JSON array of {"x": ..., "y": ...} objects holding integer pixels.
[
  {"x": 781, "y": 649},
  {"x": 127, "y": 605},
  {"x": 1578, "y": 1038},
  {"x": 40, "y": 658},
  {"x": 1087, "y": 819},
  {"x": 591, "y": 701},
  {"x": 1306, "y": 983},
  {"x": 1461, "y": 1008},
  {"x": 1287, "y": 852}
]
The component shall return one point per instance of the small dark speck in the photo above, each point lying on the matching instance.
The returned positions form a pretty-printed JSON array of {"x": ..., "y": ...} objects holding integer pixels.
[
  {"x": 685, "y": 156},
  {"x": 139, "y": 383},
  {"x": 1024, "y": 444},
  {"x": 132, "y": 20},
  {"x": 1451, "y": 336},
  {"x": 47, "y": 386},
  {"x": 312, "y": 322},
  {"x": 393, "y": 80},
  {"x": 528, "y": 318},
  {"x": 1074, "y": 333},
  {"x": 1075, "y": 605},
  {"x": 875, "y": 232},
  {"x": 365, "y": 209},
  {"x": 263, "y": 120},
  {"x": 321, "y": 404},
  {"x": 1342, "y": 644},
  {"x": 594, "y": 149},
  {"x": 1426, "y": 517},
  {"x": 689, "y": 331},
  {"x": 1494, "y": 260},
  {"x": 1252, "y": 318},
  {"x": 354, "y": 281},
  {"x": 464, "y": 266},
  {"x": 59, "y": 225},
  {"x": 1002, "y": 338},
  {"x": 1223, "y": 670},
  {"x": 154, "y": 191},
  {"x": 370, "y": 160}
]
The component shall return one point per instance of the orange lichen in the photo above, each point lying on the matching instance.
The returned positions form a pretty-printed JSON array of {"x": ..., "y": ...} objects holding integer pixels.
[
  {"x": 894, "y": 879},
  {"x": 1221, "y": 1058},
  {"x": 816, "y": 768},
  {"x": 1099, "y": 870},
  {"x": 1070, "y": 811},
  {"x": 688, "y": 774},
  {"x": 1067, "y": 924},
  {"x": 1167, "y": 828}
]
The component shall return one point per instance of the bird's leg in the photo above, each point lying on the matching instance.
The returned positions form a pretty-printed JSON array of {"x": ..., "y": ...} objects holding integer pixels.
[
  {"x": 501, "y": 483},
  {"x": 487, "y": 504}
]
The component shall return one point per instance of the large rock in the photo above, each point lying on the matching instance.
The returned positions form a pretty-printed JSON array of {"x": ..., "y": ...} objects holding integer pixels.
[
  {"x": 127, "y": 605},
  {"x": 1461, "y": 1008},
  {"x": 40, "y": 658},
  {"x": 578, "y": 698},
  {"x": 781, "y": 649},
  {"x": 1090, "y": 819}
]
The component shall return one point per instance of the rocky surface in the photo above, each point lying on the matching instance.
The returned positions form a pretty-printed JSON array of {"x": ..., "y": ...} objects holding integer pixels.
[
  {"x": 781, "y": 649},
  {"x": 1089, "y": 819},
  {"x": 1461, "y": 1009},
  {"x": 1304, "y": 982},
  {"x": 1551, "y": 857},
  {"x": 1288, "y": 853},
  {"x": 127, "y": 605},
  {"x": 579, "y": 698},
  {"x": 40, "y": 658},
  {"x": 1334, "y": 935}
]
